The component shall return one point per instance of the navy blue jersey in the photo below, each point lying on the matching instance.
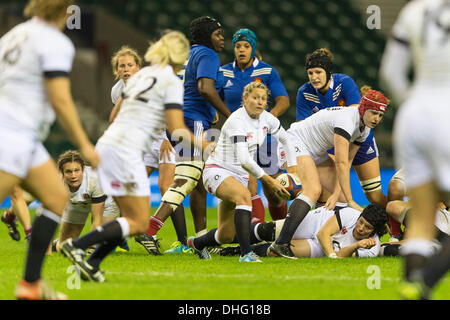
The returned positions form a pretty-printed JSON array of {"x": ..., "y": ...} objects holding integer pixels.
[
  {"x": 343, "y": 92},
  {"x": 203, "y": 62},
  {"x": 234, "y": 81}
]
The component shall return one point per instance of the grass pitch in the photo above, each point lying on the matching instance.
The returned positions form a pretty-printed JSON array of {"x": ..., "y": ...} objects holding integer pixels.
[{"x": 135, "y": 275}]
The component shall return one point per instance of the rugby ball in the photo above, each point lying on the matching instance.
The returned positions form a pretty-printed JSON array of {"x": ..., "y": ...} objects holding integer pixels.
[{"x": 291, "y": 182}]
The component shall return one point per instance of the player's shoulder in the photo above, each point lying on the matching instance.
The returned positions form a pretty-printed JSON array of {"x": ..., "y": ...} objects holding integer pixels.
[
  {"x": 342, "y": 78},
  {"x": 307, "y": 88}
]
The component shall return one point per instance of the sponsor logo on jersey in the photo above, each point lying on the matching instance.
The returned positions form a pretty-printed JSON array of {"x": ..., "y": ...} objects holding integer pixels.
[
  {"x": 370, "y": 150},
  {"x": 86, "y": 196},
  {"x": 315, "y": 109},
  {"x": 229, "y": 83},
  {"x": 265, "y": 129},
  {"x": 115, "y": 184},
  {"x": 344, "y": 230},
  {"x": 249, "y": 135}
]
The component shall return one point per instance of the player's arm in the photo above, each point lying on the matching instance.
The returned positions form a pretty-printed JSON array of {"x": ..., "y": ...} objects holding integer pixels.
[
  {"x": 350, "y": 251},
  {"x": 281, "y": 105},
  {"x": 250, "y": 165},
  {"x": 58, "y": 89},
  {"x": 115, "y": 110},
  {"x": 341, "y": 152},
  {"x": 206, "y": 88},
  {"x": 330, "y": 228},
  {"x": 97, "y": 208}
]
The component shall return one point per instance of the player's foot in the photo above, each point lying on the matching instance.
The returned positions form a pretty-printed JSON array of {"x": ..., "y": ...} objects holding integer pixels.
[
  {"x": 89, "y": 273},
  {"x": 249, "y": 257},
  {"x": 37, "y": 290},
  {"x": 178, "y": 247},
  {"x": 75, "y": 255},
  {"x": 230, "y": 251},
  {"x": 91, "y": 249},
  {"x": 413, "y": 291},
  {"x": 149, "y": 243},
  {"x": 214, "y": 250},
  {"x": 202, "y": 254},
  {"x": 123, "y": 247},
  {"x": 12, "y": 228},
  {"x": 281, "y": 250},
  {"x": 55, "y": 245}
]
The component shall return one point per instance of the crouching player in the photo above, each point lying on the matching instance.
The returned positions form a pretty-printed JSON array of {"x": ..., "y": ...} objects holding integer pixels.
[
  {"x": 227, "y": 171},
  {"x": 85, "y": 196},
  {"x": 342, "y": 232}
]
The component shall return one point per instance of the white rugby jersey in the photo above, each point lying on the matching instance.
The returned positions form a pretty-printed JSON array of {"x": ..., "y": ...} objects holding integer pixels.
[
  {"x": 239, "y": 124},
  {"x": 317, "y": 131},
  {"x": 89, "y": 192},
  {"x": 315, "y": 219},
  {"x": 116, "y": 91},
  {"x": 141, "y": 118},
  {"x": 30, "y": 52},
  {"x": 423, "y": 26}
]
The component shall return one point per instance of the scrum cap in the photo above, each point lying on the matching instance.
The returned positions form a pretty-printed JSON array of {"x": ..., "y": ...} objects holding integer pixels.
[
  {"x": 373, "y": 100},
  {"x": 201, "y": 29},
  {"x": 246, "y": 35}
]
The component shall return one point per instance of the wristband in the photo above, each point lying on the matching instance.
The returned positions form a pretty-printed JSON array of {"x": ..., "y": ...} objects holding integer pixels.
[{"x": 332, "y": 255}]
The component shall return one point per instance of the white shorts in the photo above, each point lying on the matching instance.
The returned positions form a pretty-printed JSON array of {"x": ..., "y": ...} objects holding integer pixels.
[
  {"x": 19, "y": 152},
  {"x": 301, "y": 149},
  {"x": 152, "y": 158},
  {"x": 308, "y": 229},
  {"x": 421, "y": 140},
  {"x": 111, "y": 209},
  {"x": 214, "y": 175},
  {"x": 74, "y": 217},
  {"x": 122, "y": 172}
]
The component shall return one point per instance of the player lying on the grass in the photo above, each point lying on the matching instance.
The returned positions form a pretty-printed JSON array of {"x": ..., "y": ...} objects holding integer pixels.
[
  {"x": 338, "y": 233},
  {"x": 20, "y": 199},
  {"x": 152, "y": 98},
  {"x": 85, "y": 196},
  {"x": 227, "y": 171},
  {"x": 345, "y": 128},
  {"x": 399, "y": 211}
]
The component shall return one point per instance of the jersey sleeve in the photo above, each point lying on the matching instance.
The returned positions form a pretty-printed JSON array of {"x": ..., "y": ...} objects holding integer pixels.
[
  {"x": 402, "y": 26},
  {"x": 174, "y": 91},
  {"x": 344, "y": 127},
  {"x": 276, "y": 86},
  {"x": 208, "y": 66},
  {"x": 96, "y": 192},
  {"x": 56, "y": 56},
  {"x": 302, "y": 110},
  {"x": 363, "y": 136},
  {"x": 350, "y": 91}
]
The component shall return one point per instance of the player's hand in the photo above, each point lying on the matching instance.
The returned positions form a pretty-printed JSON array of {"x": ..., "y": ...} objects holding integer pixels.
[
  {"x": 165, "y": 150},
  {"x": 331, "y": 201},
  {"x": 354, "y": 205},
  {"x": 276, "y": 187},
  {"x": 367, "y": 243},
  {"x": 90, "y": 155}
]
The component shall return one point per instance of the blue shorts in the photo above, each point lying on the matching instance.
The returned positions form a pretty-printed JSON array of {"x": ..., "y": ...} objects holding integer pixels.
[
  {"x": 366, "y": 152},
  {"x": 197, "y": 128}
]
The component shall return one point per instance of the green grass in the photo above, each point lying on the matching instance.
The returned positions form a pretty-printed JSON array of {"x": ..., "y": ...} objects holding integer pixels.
[{"x": 136, "y": 275}]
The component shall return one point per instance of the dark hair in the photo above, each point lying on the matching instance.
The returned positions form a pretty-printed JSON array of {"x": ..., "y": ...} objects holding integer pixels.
[
  {"x": 70, "y": 156},
  {"x": 320, "y": 58},
  {"x": 377, "y": 217},
  {"x": 201, "y": 29}
]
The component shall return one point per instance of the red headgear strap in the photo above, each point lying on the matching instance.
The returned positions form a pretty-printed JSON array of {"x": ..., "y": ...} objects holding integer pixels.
[{"x": 373, "y": 100}]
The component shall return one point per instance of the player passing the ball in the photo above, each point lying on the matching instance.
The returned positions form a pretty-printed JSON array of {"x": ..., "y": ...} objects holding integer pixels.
[{"x": 227, "y": 171}]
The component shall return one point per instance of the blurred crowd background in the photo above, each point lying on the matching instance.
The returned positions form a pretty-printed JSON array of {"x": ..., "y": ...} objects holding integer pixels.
[{"x": 287, "y": 30}]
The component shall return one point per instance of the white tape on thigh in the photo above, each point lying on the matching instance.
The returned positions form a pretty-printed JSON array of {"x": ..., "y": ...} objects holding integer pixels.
[
  {"x": 371, "y": 184},
  {"x": 190, "y": 171}
]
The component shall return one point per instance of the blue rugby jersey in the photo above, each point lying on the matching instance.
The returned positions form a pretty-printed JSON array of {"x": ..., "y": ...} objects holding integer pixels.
[
  {"x": 203, "y": 62},
  {"x": 343, "y": 92},
  {"x": 234, "y": 81}
]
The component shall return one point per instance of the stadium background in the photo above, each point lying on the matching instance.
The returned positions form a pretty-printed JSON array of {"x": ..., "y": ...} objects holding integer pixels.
[{"x": 286, "y": 29}]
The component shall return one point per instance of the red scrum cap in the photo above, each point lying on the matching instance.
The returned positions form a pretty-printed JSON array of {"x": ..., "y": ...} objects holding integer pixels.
[{"x": 373, "y": 100}]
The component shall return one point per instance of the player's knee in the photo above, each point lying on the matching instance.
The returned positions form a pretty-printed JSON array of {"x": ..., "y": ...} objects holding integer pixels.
[
  {"x": 242, "y": 198},
  {"x": 56, "y": 201},
  {"x": 313, "y": 191},
  {"x": 225, "y": 237},
  {"x": 393, "y": 208}
]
